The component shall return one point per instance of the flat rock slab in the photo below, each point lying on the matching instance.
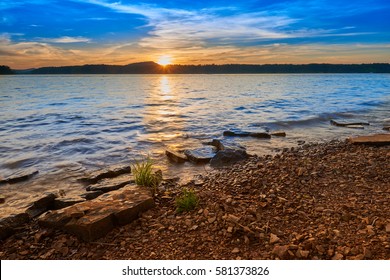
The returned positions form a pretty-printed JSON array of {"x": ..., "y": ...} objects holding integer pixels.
[
  {"x": 263, "y": 135},
  {"x": 93, "y": 219},
  {"x": 107, "y": 185},
  {"x": 91, "y": 194},
  {"x": 374, "y": 140},
  {"x": 40, "y": 204},
  {"x": 111, "y": 172},
  {"x": 21, "y": 176},
  {"x": 62, "y": 202},
  {"x": 279, "y": 134},
  {"x": 201, "y": 155},
  {"x": 221, "y": 145},
  {"x": 356, "y": 125}
]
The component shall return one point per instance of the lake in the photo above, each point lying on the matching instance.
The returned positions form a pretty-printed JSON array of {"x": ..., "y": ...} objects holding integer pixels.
[{"x": 67, "y": 125}]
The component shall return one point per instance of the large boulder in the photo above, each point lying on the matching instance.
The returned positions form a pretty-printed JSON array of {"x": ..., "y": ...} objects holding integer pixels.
[
  {"x": 227, "y": 157},
  {"x": 8, "y": 224},
  {"x": 93, "y": 219}
]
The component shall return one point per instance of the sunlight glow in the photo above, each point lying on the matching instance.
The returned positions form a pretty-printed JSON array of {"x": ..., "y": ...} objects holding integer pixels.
[{"x": 164, "y": 60}]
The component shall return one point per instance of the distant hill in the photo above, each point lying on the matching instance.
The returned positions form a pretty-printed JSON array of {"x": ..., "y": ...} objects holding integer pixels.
[
  {"x": 134, "y": 68},
  {"x": 5, "y": 70},
  {"x": 154, "y": 68}
]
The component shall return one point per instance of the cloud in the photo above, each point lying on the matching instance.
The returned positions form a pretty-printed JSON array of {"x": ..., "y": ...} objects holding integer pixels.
[
  {"x": 173, "y": 29},
  {"x": 67, "y": 40},
  {"x": 209, "y": 29},
  {"x": 231, "y": 34},
  {"x": 149, "y": 11},
  {"x": 286, "y": 53}
]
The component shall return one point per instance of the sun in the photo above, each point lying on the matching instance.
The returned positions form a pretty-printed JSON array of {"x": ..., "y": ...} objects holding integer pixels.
[{"x": 164, "y": 60}]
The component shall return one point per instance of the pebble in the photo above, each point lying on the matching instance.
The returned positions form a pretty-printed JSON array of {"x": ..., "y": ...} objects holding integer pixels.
[
  {"x": 273, "y": 238},
  {"x": 277, "y": 204},
  {"x": 236, "y": 250}
]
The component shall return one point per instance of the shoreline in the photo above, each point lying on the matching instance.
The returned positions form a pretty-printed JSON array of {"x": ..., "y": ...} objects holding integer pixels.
[{"x": 318, "y": 201}]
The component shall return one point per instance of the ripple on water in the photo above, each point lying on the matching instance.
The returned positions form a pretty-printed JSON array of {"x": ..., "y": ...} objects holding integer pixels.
[{"x": 104, "y": 120}]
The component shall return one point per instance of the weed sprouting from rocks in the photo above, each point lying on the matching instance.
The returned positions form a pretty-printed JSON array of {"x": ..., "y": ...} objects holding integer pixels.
[
  {"x": 187, "y": 201},
  {"x": 144, "y": 174}
]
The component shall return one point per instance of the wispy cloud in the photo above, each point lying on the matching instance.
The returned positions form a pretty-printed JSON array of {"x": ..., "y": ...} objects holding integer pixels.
[
  {"x": 149, "y": 11},
  {"x": 181, "y": 29},
  {"x": 66, "y": 40},
  {"x": 299, "y": 31}
]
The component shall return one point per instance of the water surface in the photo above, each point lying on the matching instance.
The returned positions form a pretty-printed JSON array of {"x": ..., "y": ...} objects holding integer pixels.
[{"x": 66, "y": 125}]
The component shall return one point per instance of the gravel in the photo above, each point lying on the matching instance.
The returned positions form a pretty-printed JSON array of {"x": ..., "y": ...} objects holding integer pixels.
[{"x": 319, "y": 201}]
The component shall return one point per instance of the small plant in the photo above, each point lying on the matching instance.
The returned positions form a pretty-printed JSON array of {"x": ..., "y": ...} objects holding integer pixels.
[
  {"x": 187, "y": 201},
  {"x": 144, "y": 174}
]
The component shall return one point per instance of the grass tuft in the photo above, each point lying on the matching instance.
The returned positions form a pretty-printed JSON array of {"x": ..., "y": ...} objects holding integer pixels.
[
  {"x": 187, "y": 201},
  {"x": 144, "y": 174}
]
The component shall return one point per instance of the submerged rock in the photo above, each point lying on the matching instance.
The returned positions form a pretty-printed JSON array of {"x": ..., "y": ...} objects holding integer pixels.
[
  {"x": 232, "y": 133},
  {"x": 93, "y": 219},
  {"x": 386, "y": 128},
  {"x": 200, "y": 155},
  {"x": 175, "y": 156},
  {"x": 20, "y": 176},
  {"x": 264, "y": 135},
  {"x": 111, "y": 172},
  {"x": 356, "y": 125},
  {"x": 107, "y": 185}
]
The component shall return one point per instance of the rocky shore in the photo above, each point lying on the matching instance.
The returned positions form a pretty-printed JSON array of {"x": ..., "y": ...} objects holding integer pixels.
[{"x": 318, "y": 201}]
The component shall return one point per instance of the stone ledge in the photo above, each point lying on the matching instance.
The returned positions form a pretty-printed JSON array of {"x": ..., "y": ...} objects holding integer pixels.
[
  {"x": 374, "y": 140},
  {"x": 93, "y": 219}
]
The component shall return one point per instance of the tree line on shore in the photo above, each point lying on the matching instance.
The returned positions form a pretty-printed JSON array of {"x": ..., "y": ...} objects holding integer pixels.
[
  {"x": 154, "y": 68},
  {"x": 5, "y": 70}
]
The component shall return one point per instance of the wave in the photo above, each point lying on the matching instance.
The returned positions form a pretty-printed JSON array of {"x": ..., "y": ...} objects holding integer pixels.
[{"x": 321, "y": 118}]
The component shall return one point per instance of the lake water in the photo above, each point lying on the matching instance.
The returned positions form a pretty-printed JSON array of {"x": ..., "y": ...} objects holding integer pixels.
[{"x": 67, "y": 125}]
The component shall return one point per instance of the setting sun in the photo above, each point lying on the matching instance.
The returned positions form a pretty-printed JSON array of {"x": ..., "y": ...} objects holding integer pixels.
[{"x": 164, "y": 60}]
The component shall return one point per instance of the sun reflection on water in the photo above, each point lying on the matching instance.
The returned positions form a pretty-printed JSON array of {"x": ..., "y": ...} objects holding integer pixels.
[{"x": 163, "y": 120}]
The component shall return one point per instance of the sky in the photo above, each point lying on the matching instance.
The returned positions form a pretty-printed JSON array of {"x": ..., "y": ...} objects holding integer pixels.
[{"x": 39, "y": 33}]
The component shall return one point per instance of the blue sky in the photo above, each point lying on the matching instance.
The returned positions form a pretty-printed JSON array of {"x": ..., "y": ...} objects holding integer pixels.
[{"x": 68, "y": 32}]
